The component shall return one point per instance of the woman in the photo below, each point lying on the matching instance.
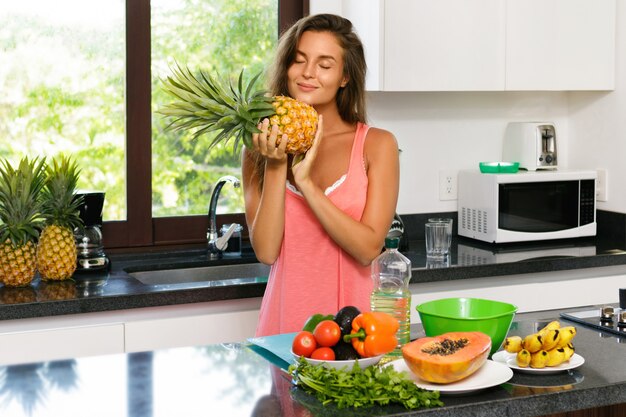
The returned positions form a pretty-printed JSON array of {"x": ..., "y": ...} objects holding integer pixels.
[{"x": 320, "y": 222}]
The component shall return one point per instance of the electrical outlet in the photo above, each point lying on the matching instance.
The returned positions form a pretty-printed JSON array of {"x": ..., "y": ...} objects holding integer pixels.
[
  {"x": 601, "y": 185},
  {"x": 447, "y": 185}
]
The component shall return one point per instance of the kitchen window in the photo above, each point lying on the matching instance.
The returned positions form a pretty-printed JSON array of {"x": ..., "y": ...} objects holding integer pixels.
[{"x": 82, "y": 77}]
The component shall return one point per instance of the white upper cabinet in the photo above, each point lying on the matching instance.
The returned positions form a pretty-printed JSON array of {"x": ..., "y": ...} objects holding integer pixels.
[
  {"x": 483, "y": 45},
  {"x": 444, "y": 45},
  {"x": 366, "y": 16},
  {"x": 560, "y": 45}
]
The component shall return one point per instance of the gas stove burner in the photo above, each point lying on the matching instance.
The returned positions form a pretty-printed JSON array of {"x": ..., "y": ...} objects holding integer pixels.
[{"x": 608, "y": 319}]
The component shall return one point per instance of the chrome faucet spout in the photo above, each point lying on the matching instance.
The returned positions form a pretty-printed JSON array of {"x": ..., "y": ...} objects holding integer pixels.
[{"x": 212, "y": 236}]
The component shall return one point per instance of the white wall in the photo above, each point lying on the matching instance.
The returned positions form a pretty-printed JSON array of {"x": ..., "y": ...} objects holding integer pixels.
[
  {"x": 598, "y": 126},
  {"x": 452, "y": 131}
]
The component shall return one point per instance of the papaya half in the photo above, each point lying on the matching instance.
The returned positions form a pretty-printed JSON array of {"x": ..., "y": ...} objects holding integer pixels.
[{"x": 447, "y": 358}]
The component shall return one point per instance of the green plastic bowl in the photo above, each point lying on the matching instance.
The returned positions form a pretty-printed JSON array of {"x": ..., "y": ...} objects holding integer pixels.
[
  {"x": 498, "y": 167},
  {"x": 445, "y": 315}
]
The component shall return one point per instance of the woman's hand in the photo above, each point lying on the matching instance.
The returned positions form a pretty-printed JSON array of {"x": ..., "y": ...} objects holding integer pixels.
[
  {"x": 265, "y": 143},
  {"x": 301, "y": 168}
]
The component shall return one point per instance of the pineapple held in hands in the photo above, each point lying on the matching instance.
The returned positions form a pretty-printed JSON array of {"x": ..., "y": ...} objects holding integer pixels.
[
  {"x": 208, "y": 104},
  {"x": 56, "y": 251},
  {"x": 20, "y": 220}
]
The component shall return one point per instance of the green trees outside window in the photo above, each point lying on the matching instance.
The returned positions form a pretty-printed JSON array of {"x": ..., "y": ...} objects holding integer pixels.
[
  {"x": 62, "y": 89},
  {"x": 217, "y": 35}
]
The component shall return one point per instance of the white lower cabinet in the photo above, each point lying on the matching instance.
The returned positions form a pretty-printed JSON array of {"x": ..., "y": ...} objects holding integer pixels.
[
  {"x": 41, "y": 340},
  {"x": 531, "y": 292},
  {"x": 134, "y": 330},
  {"x": 192, "y": 325}
]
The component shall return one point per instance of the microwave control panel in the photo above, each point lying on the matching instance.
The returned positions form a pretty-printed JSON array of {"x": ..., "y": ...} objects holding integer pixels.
[{"x": 587, "y": 201}]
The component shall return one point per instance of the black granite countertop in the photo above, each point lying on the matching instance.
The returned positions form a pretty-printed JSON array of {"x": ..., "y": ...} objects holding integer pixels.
[
  {"x": 233, "y": 380},
  {"x": 473, "y": 259},
  {"x": 468, "y": 259}
]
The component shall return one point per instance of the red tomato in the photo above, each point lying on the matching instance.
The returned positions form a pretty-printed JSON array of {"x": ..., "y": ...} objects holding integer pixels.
[
  {"x": 323, "y": 354},
  {"x": 304, "y": 344},
  {"x": 327, "y": 333}
]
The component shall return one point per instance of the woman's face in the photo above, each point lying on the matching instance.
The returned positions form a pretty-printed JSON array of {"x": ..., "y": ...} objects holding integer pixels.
[{"x": 317, "y": 71}]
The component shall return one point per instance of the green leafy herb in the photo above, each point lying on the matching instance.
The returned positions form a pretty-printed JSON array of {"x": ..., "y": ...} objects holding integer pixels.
[{"x": 358, "y": 387}]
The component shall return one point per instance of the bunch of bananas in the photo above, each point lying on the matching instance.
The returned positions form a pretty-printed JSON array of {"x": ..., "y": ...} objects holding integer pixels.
[{"x": 550, "y": 346}]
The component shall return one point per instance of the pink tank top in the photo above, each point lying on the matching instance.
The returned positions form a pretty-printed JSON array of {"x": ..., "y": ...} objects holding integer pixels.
[{"x": 312, "y": 274}]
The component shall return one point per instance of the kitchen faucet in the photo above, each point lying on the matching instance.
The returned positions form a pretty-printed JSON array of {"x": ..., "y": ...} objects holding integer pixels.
[{"x": 217, "y": 244}]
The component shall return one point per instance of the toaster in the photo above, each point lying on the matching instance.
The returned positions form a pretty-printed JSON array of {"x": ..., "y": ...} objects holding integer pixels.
[{"x": 532, "y": 144}]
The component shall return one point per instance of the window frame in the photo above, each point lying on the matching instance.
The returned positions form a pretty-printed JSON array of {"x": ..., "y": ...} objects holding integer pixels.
[{"x": 140, "y": 229}]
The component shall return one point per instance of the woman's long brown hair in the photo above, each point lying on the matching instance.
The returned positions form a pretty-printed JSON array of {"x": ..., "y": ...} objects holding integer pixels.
[{"x": 351, "y": 98}]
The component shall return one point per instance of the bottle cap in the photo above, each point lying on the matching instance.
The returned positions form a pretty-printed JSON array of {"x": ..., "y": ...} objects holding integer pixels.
[{"x": 392, "y": 242}]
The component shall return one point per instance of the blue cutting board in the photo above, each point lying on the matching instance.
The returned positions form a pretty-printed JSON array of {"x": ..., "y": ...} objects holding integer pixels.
[{"x": 276, "y": 348}]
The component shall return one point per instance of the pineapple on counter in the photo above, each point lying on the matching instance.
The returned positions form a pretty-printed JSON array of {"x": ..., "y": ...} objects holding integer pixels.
[
  {"x": 209, "y": 104},
  {"x": 56, "y": 251},
  {"x": 20, "y": 220}
]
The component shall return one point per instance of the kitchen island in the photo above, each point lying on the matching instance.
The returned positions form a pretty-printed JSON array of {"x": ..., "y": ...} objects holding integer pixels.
[{"x": 233, "y": 380}]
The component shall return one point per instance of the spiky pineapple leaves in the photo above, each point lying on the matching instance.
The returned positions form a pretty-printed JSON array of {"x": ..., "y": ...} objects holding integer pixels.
[
  {"x": 60, "y": 202},
  {"x": 35, "y": 194},
  {"x": 204, "y": 103},
  {"x": 20, "y": 206}
]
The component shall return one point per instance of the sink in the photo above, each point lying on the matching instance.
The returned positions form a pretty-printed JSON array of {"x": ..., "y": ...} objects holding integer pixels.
[{"x": 218, "y": 275}]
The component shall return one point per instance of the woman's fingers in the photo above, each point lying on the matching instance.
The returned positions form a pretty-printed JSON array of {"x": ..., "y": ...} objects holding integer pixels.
[
  {"x": 312, "y": 152},
  {"x": 259, "y": 138},
  {"x": 272, "y": 139},
  {"x": 267, "y": 143},
  {"x": 282, "y": 146},
  {"x": 318, "y": 136}
]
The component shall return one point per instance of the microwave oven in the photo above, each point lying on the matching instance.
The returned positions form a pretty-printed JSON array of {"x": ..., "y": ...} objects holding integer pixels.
[{"x": 526, "y": 206}]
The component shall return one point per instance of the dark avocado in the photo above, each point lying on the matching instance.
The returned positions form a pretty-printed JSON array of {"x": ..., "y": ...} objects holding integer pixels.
[
  {"x": 344, "y": 318},
  {"x": 344, "y": 351}
]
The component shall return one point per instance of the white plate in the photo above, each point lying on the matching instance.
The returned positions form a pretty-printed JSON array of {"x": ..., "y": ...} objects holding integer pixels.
[
  {"x": 489, "y": 375},
  {"x": 508, "y": 359},
  {"x": 363, "y": 362}
]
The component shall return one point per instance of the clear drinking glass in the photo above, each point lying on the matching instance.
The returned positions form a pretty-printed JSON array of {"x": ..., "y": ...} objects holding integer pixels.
[
  {"x": 445, "y": 220},
  {"x": 438, "y": 239}
]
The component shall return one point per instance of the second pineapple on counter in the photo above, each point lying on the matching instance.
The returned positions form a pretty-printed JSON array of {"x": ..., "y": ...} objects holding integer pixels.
[{"x": 56, "y": 251}]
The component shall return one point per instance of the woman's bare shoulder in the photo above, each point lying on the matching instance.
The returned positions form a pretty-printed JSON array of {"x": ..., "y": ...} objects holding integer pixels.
[{"x": 380, "y": 139}]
